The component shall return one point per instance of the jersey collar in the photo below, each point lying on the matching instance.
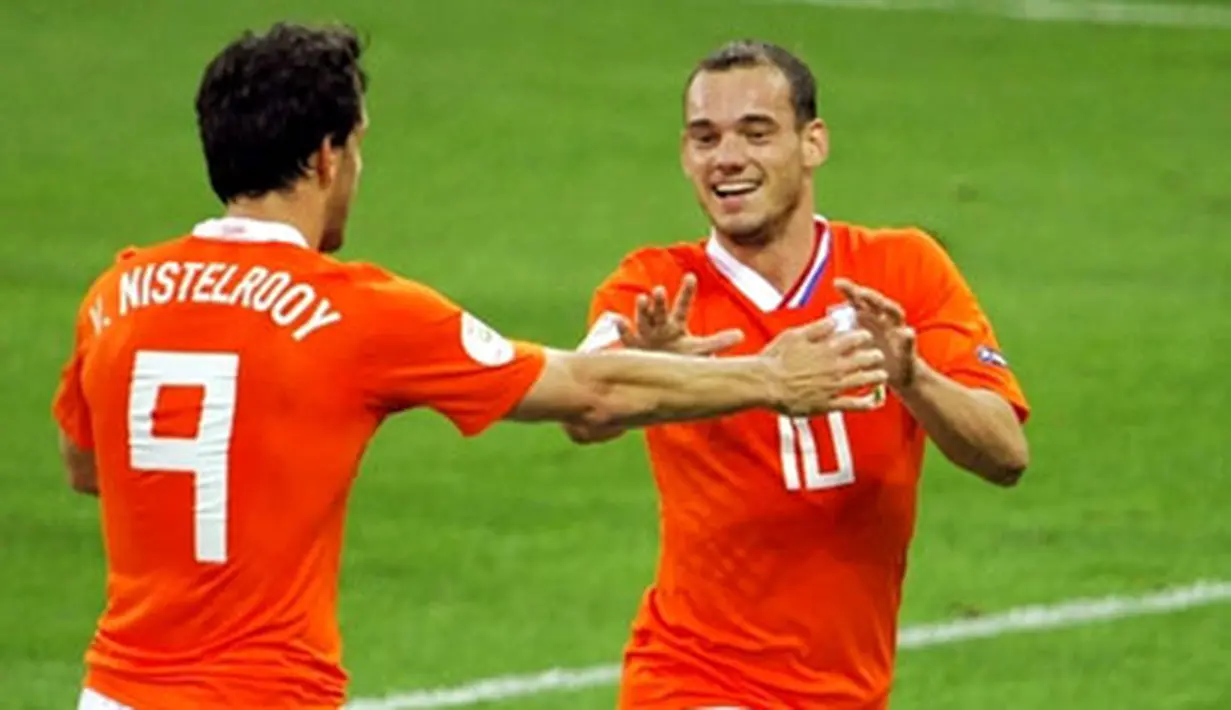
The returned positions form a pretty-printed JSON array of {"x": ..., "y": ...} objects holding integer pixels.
[
  {"x": 760, "y": 291},
  {"x": 252, "y": 231}
]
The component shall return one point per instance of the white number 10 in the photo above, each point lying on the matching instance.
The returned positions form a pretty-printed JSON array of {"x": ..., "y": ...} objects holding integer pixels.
[
  {"x": 798, "y": 447},
  {"x": 204, "y": 456}
]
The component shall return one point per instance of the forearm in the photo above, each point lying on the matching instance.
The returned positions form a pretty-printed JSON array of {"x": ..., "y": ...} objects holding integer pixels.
[
  {"x": 975, "y": 429},
  {"x": 637, "y": 388},
  {"x": 81, "y": 467}
]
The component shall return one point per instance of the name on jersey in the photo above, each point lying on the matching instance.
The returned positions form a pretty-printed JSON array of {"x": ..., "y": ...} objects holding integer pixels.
[{"x": 288, "y": 303}]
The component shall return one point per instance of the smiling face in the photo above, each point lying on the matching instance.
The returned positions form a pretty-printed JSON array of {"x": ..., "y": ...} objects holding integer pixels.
[{"x": 746, "y": 152}]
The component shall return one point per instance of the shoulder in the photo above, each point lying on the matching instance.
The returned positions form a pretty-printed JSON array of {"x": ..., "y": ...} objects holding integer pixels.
[
  {"x": 652, "y": 265},
  {"x": 367, "y": 278},
  {"x": 134, "y": 254},
  {"x": 897, "y": 243},
  {"x": 361, "y": 275},
  {"x": 125, "y": 259},
  {"x": 894, "y": 259},
  {"x": 379, "y": 291},
  {"x": 906, "y": 263}
]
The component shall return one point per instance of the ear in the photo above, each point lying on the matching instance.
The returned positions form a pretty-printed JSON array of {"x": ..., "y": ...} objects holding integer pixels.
[
  {"x": 326, "y": 163},
  {"x": 815, "y": 137},
  {"x": 683, "y": 152}
]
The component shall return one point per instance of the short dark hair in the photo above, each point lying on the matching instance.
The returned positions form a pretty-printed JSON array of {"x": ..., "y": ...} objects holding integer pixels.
[
  {"x": 266, "y": 102},
  {"x": 744, "y": 53}
]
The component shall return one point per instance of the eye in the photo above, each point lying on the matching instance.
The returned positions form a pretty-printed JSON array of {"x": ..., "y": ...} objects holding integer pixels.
[{"x": 758, "y": 134}]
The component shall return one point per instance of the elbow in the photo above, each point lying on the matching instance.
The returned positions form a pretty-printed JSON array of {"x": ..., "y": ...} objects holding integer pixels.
[
  {"x": 578, "y": 432},
  {"x": 611, "y": 409},
  {"x": 602, "y": 411},
  {"x": 588, "y": 408},
  {"x": 1005, "y": 476},
  {"x": 590, "y": 398},
  {"x": 582, "y": 433},
  {"x": 600, "y": 404},
  {"x": 1007, "y": 469}
]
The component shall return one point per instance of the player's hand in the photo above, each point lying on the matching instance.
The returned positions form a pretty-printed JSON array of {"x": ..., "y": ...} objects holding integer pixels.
[
  {"x": 819, "y": 369},
  {"x": 657, "y": 327},
  {"x": 885, "y": 319}
]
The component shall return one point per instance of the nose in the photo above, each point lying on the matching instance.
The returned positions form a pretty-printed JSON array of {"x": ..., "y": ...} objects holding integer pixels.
[{"x": 730, "y": 155}]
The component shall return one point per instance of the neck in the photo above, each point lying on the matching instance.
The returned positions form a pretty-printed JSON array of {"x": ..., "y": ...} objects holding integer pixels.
[
  {"x": 287, "y": 208},
  {"x": 783, "y": 257}
]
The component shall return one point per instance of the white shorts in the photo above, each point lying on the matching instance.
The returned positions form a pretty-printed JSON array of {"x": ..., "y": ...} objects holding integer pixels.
[{"x": 91, "y": 700}]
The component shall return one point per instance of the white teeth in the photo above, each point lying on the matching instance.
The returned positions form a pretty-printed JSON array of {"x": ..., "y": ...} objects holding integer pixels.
[{"x": 733, "y": 188}]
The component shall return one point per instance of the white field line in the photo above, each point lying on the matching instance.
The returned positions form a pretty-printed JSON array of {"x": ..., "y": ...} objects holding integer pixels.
[
  {"x": 1022, "y": 619},
  {"x": 1101, "y": 12}
]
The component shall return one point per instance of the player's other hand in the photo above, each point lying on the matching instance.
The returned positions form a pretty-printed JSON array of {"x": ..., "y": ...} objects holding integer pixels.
[
  {"x": 657, "y": 327},
  {"x": 886, "y": 320},
  {"x": 818, "y": 369}
]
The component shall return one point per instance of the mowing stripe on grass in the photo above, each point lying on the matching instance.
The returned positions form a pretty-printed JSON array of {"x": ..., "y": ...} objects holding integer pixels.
[{"x": 1074, "y": 612}]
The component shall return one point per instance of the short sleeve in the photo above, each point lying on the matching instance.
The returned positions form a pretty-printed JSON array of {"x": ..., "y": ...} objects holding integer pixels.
[
  {"x": 954, "y": 335},
  {"x": 421, "y": 349},
  {"x": 614, "y": 298},
  {"x": 69, "y": 406}
]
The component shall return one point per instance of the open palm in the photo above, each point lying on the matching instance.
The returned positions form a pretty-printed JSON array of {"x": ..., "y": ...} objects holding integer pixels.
[
  {"x": 657, "y": 327},
  {"x": 886, "y": 320}
]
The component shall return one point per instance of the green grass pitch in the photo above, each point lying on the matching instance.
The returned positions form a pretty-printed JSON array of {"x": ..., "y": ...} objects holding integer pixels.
[{"x": 1080, "y": 174}]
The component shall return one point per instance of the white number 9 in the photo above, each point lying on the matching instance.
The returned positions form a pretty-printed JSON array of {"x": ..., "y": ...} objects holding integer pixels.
[{"x": 204, "y": 456}]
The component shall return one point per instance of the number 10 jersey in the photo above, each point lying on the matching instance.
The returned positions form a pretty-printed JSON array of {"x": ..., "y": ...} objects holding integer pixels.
[{"x": 784, "y": 540}]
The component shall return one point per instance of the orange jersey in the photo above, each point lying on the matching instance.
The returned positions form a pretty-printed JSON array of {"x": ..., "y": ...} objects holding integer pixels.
[
  {"x": 784, "y": 540},
  {"x": 228, "y": 383}
]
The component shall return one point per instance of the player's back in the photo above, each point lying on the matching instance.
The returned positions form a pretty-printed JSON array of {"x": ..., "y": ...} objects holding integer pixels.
[
  {"x": 226, "y": 385},
  {"x": 226, "y": 435}
]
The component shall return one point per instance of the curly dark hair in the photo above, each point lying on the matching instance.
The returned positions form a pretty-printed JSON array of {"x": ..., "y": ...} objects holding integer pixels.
[{"x": 267, "y": 101}]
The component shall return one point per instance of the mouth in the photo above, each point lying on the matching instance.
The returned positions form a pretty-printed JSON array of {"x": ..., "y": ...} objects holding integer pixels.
[{"x": 735, "y": 188}]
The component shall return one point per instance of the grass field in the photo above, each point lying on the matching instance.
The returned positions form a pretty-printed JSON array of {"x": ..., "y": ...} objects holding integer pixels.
[{"x": 1080, "y": 174}]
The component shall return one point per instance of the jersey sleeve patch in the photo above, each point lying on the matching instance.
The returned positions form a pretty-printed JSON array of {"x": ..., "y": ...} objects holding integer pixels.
[
  {"x": 990, "y": 356},
  {"x": 483, "y": 344},
  {"x": 420, "y": 349}
]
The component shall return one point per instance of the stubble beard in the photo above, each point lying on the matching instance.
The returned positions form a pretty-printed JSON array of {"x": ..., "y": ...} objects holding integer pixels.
[{"x": 767, "y": 230}]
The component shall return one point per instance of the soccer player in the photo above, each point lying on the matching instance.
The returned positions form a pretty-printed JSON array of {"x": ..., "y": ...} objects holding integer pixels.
[
  {"x": 784, "y": 539},
  {"x": 224, "y": 384}
]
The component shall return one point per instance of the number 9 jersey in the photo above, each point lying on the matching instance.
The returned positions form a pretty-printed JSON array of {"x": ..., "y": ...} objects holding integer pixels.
[
  {"x": 228, "y": 383},
  {"x": 783, "y": 541}
]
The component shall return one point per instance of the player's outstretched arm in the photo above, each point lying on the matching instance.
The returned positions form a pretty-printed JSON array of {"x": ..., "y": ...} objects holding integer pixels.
[
  {"x": 659, "y": 328},
  {"x": 805, "y": 371}
]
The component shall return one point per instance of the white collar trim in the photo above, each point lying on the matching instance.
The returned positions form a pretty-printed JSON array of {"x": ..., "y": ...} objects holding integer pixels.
[
  {"x": 253, "y": 231},
  {"x": 752, "y": 284}
]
